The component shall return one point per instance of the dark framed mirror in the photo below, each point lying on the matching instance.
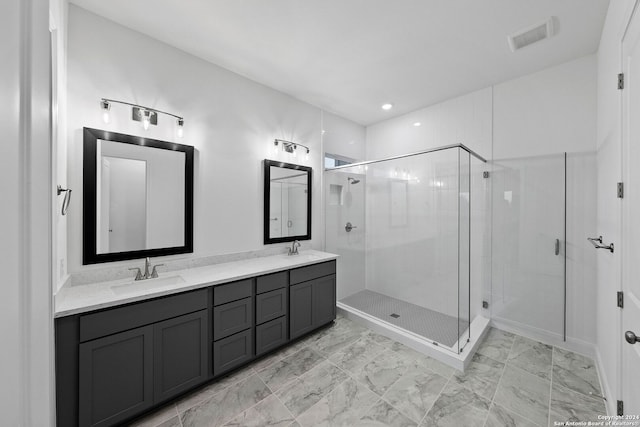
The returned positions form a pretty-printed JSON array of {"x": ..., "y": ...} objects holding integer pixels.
[
  {"x": 287, "y": 202},
  {"x": 138, "y": 197}
]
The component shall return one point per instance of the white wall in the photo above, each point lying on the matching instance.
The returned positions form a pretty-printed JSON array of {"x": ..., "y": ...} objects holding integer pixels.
[
  {"x": 609, "y": 160},
  {"x": 58, "y": 24},
  {"x": 551, "y": 111},
  {"x": 462, "y": 120},
  {"x": 231, "y": 121},
  {"x": 26, "y": 358}
]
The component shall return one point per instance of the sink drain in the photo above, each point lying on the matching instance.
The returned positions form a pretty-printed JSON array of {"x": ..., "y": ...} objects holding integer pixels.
[{"x": 394, "y": 315}]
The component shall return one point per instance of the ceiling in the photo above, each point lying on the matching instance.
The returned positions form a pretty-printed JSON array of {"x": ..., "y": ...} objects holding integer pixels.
[{"x": 351, "y": 56}]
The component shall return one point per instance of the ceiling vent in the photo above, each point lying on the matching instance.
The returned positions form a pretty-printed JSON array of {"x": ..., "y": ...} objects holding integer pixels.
[{"x": 530, "y": 35}]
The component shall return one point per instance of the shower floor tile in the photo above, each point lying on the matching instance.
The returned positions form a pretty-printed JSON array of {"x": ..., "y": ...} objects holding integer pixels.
[{"x": 430, "y": 324}]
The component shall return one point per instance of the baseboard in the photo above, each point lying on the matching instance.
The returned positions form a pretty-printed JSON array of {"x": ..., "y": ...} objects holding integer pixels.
[
  {"x": 610, "y": 403},
  {"x": 572, "y": 344}
]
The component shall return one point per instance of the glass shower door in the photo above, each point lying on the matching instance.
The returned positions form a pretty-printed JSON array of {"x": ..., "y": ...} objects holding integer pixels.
[{"x": 528, "y": 286}]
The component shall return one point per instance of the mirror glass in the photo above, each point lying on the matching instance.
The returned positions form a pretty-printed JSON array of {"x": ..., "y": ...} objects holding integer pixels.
[
  {"x": 287, "y": 202},
  {"x": 138, "y": 197}
]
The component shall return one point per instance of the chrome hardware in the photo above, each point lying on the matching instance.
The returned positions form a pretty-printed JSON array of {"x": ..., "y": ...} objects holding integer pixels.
[
  {"x": 67, "y": 198},
  {"x": 557, "y": 246},
  {"x": 631, "y": 337},
  {"x": 293, "y": 250},
  {"x": 147, "y": 275},
  {"x": 597, "y": 243},
  {"x": 273, "y": 219},
  {"x": 348, "y": 227},
  {"x": 138, "y": 273},
  {"x": 154, "y": 271}
]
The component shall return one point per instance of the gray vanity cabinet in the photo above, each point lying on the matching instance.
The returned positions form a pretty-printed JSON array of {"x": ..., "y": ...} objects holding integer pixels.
[
  {"x": 115, "y": 364},
  {"x": 312, "y": 297},
  {"x": 116, "y": 377}
]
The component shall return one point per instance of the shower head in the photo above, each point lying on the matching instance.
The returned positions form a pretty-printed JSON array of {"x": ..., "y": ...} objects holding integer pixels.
[{"x": 353, "y": 180}]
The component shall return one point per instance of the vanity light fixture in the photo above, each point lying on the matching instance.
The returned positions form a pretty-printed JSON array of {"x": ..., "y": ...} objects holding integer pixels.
[
  {"x": 180, "y": 128},
  {"x": 148, "y": 116},
  {"x": 291, "y": 147},
  {"x": 105, "y": 106}
]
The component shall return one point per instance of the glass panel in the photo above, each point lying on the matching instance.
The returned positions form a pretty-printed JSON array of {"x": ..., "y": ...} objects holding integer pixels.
[
  {"x": 528, "y": 244},
  {"x": 345, "y": 203},
  {"x": 464, "y": 248}
]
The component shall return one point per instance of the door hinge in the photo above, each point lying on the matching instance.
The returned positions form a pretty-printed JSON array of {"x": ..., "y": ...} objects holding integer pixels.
[
  {"x": 620, "y": 299},
  {"x": 621, "y": 81},
  {"x": 620, "y": 408},
  {"x": 620, "y": 190},
  {"x": 485, "y": 174}
]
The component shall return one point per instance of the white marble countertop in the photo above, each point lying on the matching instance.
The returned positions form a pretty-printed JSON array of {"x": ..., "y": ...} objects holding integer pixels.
[{"x": 84, "y": 298}]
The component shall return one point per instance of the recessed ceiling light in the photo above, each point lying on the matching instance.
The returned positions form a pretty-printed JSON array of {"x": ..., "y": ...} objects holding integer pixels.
[
  {"x": 387, "y": 106},
  {"x": 416, "y": 124}
]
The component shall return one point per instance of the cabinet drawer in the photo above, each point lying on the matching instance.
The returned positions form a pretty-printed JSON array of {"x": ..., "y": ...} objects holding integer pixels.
[
  {"x": 232, "y": 351},
  {"x": 271, "y": 305},
  {"x": 271, "y": 335},
  {"x": 107, "y": 322},
  {"x": 223, "y": 294},
  {"x": 232, "y": 317},
  {"x": 311, "y": 272},
  {"x": 271, "y": 282}
]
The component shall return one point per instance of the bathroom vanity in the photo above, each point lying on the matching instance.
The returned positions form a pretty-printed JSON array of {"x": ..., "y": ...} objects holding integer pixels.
[{"x": 123, "y": 349}]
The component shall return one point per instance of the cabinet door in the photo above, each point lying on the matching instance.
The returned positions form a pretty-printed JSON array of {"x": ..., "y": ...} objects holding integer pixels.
[
  {"x": 180, "y": 354},
  {"x": 324, "y": 300},
  {"x": 300, "y": 309},
  {"x": 116, "y": 377}
]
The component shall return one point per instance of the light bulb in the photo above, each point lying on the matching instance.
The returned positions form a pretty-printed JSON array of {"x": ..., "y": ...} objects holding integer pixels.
[
  {"x": 106, "y": 106},
  {"x": 146, "y": 119},
  {"x": 295, "y": 152},
  {"x": 306, "y": 156},
  {"x": 180, "y": 127}
]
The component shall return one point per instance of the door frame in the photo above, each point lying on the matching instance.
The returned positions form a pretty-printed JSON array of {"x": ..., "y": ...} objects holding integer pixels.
[{"x": 625, "y": 222}]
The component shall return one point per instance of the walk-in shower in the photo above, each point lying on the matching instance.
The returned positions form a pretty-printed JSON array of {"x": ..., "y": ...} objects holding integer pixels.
[{"x": 413, "y": 240}]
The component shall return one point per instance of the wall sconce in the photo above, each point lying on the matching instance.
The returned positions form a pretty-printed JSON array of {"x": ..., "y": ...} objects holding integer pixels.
[
  {"x": 148, "y": 116},
  {"x": 291, "y": 147}
]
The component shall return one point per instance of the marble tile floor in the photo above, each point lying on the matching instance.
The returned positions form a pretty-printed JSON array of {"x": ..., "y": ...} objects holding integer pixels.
[{"x": 347, "y": 375}]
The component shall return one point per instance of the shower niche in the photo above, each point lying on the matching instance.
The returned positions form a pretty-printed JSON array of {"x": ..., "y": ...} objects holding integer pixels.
[{"x": 418, "y": 251}]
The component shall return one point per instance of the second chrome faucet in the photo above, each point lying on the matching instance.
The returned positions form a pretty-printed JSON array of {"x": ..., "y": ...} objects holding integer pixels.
[{"x": 146, "y": 275}]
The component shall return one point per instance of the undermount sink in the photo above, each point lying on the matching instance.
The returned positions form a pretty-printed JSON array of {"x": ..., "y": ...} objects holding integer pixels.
[{"x": 147, "y": 284}]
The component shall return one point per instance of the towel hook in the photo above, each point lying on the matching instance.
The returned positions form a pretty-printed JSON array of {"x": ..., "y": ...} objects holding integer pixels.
[{"x": 67, "y": 199}]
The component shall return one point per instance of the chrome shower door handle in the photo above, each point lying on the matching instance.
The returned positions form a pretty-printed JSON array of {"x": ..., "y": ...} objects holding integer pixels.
[{"x": 557, "y": 246}]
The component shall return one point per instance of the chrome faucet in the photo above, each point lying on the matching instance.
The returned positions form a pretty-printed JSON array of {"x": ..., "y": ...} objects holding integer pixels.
[
  {"x": 293, "y": 250},
  {"x": 146, "y": 275}
]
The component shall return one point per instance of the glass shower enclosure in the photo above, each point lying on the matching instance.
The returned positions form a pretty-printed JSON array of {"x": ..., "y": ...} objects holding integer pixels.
[{"x": 402, "y": 227}]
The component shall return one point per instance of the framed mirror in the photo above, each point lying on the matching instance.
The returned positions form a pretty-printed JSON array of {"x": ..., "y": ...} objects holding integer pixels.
[
  {"x": 138, "y": 197},
  {"x": 287, "y": 202}
]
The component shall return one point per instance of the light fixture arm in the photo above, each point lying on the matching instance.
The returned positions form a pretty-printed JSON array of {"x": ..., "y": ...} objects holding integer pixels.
[
  {"x": 142, "y": 107},
  {"x": 290, "y": 146}
]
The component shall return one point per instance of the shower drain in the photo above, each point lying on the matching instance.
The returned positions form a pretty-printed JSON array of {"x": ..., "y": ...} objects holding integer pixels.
[{"x": 394, "y": 315}]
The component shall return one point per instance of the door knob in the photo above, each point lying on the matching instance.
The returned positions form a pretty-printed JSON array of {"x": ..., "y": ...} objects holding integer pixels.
[
  {"x": 631, "y": 337},
  {"x": 348, "y": 227}
]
